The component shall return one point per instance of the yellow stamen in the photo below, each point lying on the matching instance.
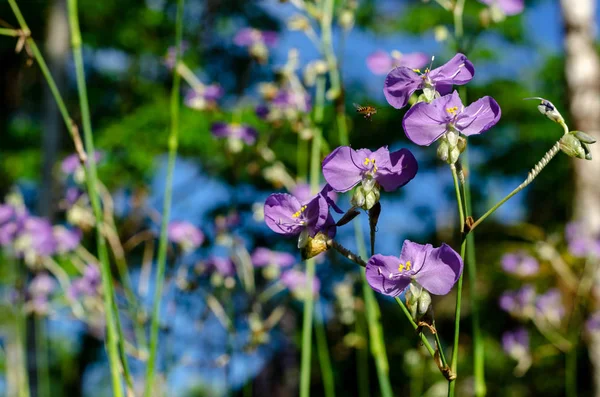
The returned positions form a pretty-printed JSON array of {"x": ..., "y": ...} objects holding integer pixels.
[
  {"x": 402, "y": 267},
  {"x": 408, "y": 265},
  {"x": 452, "y": 110},
  {"x": 417, "y": 70},
  {"x": 371, "y": 161},
  {"x": 298, "y": 213}
]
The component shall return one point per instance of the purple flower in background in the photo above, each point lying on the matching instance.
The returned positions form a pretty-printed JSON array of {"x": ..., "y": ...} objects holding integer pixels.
[
  {"x": 285, "y": 214},
  {"x": 297, "y": 283},
  {"x": 9, "y": 224},
  {"x": 71, "y": 163},
  {"x": 425, "y": 122},
  {"x": 549, "y": 306},
  {"x": 402, "y": 81},
  {"x": 188, "y": 236},
  {"x": 520, "y": 264},
  {"x": 223, "y": 266},
  {"x": 519, "y": 303},
  {"x": 381, "y": 62},
  {"x": 265, "y": 257},
  {"x": 66, "y": 239},
  {"x": 580, "y": 243},
  {"x": 235, "y": 134},
  {"x": 205, "y": 98},
  {"x": 247, "y": 37},
  {"x": 592, "y": 325},
  {"x": 291, "y": 100},
  {"x": 42, "y": 285},
  {"x": 516, "y": 343},
  {"x": 36, "y": 239},
  {"x": 171, "y": 56},
  {"x": 435, "y": 269},
  {"x": 508, "y": 7},
  {"x": 87, "y": 285},
  {"x": 345, "y": 168}
]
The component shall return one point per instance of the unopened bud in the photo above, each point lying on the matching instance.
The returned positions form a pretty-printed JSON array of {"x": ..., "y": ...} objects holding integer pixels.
[
  {"x": 583, "y": 137},
  {"x": 453, "y": 156},
  {"x": 442, "y": 150},
  {"x": 346, "y": 19},
  {"x": 298, "y": 22},
  {"x": 452, "y": 137},
  {"x": 418, "y": 301},
  {"x": 315, "y": 246},
  {"x": 576, "y": 144},
  {"x": 549, "y": 110},
  {"x": 461, "y": 144},
  {"x": 358, "y": 198},
  {"x": 371, "y": 199}
]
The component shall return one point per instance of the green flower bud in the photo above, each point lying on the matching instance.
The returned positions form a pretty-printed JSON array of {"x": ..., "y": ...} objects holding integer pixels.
[
  {"x": 358, "y": 198},
  {"x": 418, "y": 301},
  {"x": 583, "y": 137},
  {"x": 570, "y": 145},
  {"x": 453, "y": 155},
  {"x": 371, "y": 199},
  {"x": 442, "y": 150},
  {"x": 462, "y": 144}
]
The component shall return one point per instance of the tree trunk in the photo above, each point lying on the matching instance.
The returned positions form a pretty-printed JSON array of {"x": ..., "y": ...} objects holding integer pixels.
[{"x": 582, "y": 68}]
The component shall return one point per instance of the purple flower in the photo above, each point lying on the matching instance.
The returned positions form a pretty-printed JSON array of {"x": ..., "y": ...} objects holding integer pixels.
[
  {"x": 234, "y": 132},
  {"x": 508, "y": 7},
  {"x": 519, "y": 303},
  {"x": 285, "y": 214},
  {"x": 592, "y": 325},
  {"x": 71, "y": 163},
  {"x": 10, "y": 224},
  {"x": 42, "y": 285},
  {"x": 516, "y": 343},
  {"x": 381, "y": 62},
  {"x": 87, "y": 285},
  {"x": 265, "y": 257},
  {"x": 424, "y": 123},
  {"x": 297, "y": 282},
  {"x": 549, "y": 306},
  {"x": 345, "y": 168},
  {"x": 66, "y": 239},
  {"x": 171, "y": 56},
  {"x": 403, "y": 81},
  {"x": 188, "y": 236},
  {"x": 204, "y": 99},
  {"x": 580, "y": 243},
  {"x": 223, "y": 266},
  {"x": 520, "y": 264},
  {"x": 435, "y": 269},
  {"x": 247, "y": 37},
  {"x": 35, "y": 240}
]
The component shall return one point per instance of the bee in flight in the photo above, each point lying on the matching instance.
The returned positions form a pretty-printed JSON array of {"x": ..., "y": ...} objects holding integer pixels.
[{"x": 367, "y": 111}]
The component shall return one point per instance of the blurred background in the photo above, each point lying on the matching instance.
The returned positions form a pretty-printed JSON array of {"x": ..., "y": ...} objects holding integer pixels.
[{"x": 216, "y": 340}]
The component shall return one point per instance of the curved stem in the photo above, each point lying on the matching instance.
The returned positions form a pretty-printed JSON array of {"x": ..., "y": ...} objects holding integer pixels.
[
  {"x": 428, "y": 346},
  {"x": 92, "y": 184},
  {"x": 163, "y": 243}
]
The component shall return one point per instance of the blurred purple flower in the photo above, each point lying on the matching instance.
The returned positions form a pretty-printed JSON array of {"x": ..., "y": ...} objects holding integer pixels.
[
  {"x": 345, "y": 168},
  {"x": 592, "y": 325},
  {"x": 508, "y": 7},
  {"x": 66, "y": 239},
  {"x": 291, "y": 100},
  {"x": 9, "y": 224},
  {"x": 266, "y": 257},
  {"x": 402, "y": 81},
  {"x": 285, "y": 214},
  {"x": 204, "y": 99},
  {"x": 435, "y": 269},
  {"x": 425, "y": 122},
  {"x": 297, "y": 282},
  {"x": 234, "y": 131},
  {"x": 381, "y": 62},
  {"x": 42, "y": 285},
  {"x": 188, "y": 236},
  {"x": 516, "y": 343},
  {"x": 520, "y": 264},
  {"x": 35, "y": 239},
  {"x": 549, "y": 306},
  {"x": 580, "y": 243},
  {"x": 247, "y": 37},
  {"x": 71, "y": 163},
  {"x": 171, "y": 56},
  {"x": 223, "y": 266},
  {"x": 87, "y": 285},
  {"x": 519, "y": 303}
]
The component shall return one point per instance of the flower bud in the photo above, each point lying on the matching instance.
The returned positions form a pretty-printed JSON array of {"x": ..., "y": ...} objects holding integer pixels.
[
  {"x": 549, "y": 110},
  {"x": 429, "y": 93},
  {"x": 453, "y": 155},
  {"x": 298, "y": 22},
  {"x": 358, "y": 198},
  {"x": 452, "y": 137},
  {"x": 315, "y": 246},
  {"x": 371, "y": 199},
  {"x": 346, "y": 19},
  {"x": 442, "y": 150},
  {"x": 461, "y": 144},
  {"x": 583, "y": 137},
  {"x": 575, "y": 144},
  {"x": 418, "y": 301}
]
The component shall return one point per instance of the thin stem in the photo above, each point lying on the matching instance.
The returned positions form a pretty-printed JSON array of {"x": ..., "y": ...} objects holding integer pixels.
[
  {"x": 9, "y": 32},
  {"x": 362, "y": 357},
  {"x": 346, "y": 252},
  {"x": 438, "y": 342},
  {"x": 532, "y": 175},
  {"x": 571, "y": 373},
  {"x": 163, "y": 243},
  {"x": 424, "y": 339},
  {"x": 91, "y": 179},
  {"x": 377, "y": 342},
  {"x": 41, "y": 345},
  {"x": 20, "y": 335},
  {"x": 323, "y": 351}
]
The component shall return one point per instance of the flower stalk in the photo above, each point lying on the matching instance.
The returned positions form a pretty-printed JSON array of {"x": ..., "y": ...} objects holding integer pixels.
[{"x": 163, "y": 241}]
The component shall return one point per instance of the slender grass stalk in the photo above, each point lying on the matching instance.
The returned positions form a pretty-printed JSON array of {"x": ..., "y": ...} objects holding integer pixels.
[
  {"x": 22, "y": 378},
  {"x": 92, "y": 184},
  {"x": 362, "y": 357},
  {"x": 9, "y": 32},
  {"x": 323, "y": 351},
  {"x": 415, "y": 326},
  {"x": 454, "y": 362},
  {"x": 163, "y": 243},
  {"x": 41, "y": 355}
]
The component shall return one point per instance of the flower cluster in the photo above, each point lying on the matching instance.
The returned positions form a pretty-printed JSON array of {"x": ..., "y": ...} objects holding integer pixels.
[{"x": 257, "y": 42}]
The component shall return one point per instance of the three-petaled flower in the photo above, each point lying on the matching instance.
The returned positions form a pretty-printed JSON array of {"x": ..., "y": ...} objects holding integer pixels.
[
  {"x": 434, "y": 269},
  {"x": 424, "y": 123},
  {"x": 235, "y": 134},
  {"x": 402, "y": 81},
  {"x": 284, "y": 214}
]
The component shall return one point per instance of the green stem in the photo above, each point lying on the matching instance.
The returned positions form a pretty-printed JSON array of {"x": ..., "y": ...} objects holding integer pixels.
[
  {"x": 426, "y": 343},
  {"x": 9, "y": 32},
  {"x": 21, "y": 334},
  {"x": 92, "y": 185},
  {"x": 458, "y": 22},
  {"x": 323, "y": 351},
  {"x": 532, "y": 175},
  {"x": 377, "y": 342},
  {"x": 362, "y": 357},
  {"x": 41, "y": 344},
  {"x": 162, "y": 244}
]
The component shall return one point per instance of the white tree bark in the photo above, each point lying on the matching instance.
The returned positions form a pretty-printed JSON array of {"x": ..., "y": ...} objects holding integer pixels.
[{"x": 582, "y": 69}]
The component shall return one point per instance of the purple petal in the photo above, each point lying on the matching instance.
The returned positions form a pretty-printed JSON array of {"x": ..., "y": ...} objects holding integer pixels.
[
  {"x": 279, "y": 209},
  {"x": 414, "y": 253},
  {"x": 330, "y": 196},
  {"x": 264, "y": 257},
  {"x": 457, "y": 71},
  {"x": 247, "y": 134},
  {"x": 479, "y": 116},
  {"x": 379, "y": 62},
  {"x": 399, "y": 85},
  {"x": 442, "y": 268},
  {"x": 378, "y": 270},
  {"x": 246, "y": 37},
  {"x": 425, "y": 122},
  {"x": 508, "y": 7},
  {"x": 316, "y": 214},
  {"x": 220, "y": 130},
  {"x": 341, "y": 169},
  {"x": 403, "y": 169},
  {"x": 269, "y": 38}
]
